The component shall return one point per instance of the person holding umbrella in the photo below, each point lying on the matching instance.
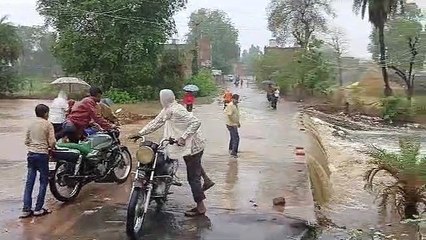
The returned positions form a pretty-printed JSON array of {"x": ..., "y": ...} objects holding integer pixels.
[
  {"x": 189, "y": 100},
  {"x": 58, "y": 111}
]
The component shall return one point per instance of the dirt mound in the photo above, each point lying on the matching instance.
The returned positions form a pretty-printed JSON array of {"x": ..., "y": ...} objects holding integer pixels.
[{"x": 127, "y": 117}]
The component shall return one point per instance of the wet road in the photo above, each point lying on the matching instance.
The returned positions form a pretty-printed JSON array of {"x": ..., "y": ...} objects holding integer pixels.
[{"x": 266, "y": 169}]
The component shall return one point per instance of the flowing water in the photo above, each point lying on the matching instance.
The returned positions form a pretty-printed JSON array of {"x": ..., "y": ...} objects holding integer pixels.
[{"x": 336, "y": 168}]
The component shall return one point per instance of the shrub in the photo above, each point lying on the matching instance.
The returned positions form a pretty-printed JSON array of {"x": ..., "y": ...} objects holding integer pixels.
[
  {"x": 205, "y": 81},
  {"x": 120, "y": 96},
  {"x": 144, "y": 93},
  {"x": 396, "y": 108},
  {"x": 408, "y": 171}
]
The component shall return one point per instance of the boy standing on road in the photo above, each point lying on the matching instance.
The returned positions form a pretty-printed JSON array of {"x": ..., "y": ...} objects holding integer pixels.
[
  {"x": 40, "y": 137},
  {"x": 233, "y": 123}
]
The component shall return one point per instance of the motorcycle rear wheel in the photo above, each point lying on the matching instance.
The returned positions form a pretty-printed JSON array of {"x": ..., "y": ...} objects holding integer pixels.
[
  {"x": 136, "y": 213},
  {"x": 57, "y": 179}
]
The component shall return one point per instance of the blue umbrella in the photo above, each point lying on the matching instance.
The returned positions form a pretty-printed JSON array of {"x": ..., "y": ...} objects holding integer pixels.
[{"x": 191, "y": 88}]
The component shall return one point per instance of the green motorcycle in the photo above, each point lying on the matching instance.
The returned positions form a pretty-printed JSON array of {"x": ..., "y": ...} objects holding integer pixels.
[{"x": 101, "y": 159}]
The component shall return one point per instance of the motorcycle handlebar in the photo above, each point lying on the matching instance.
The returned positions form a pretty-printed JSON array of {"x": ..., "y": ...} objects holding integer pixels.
[
  {"x": 162, "y": 142},
  {"x": 168, "y": 140}
]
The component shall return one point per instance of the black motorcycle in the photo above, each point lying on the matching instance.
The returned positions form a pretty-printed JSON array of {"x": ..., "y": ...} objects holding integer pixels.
[
  {"x": 100, "y": 158},
  {"x": 154, "y": 176}
]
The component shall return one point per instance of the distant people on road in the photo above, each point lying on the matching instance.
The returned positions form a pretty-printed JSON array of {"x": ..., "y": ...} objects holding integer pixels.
[
  {"x": 58, "y": 112},
  {"x": 275, "y": 98},
  {"x": 227, "y": 97},
  {"x": 232, "y": 113},
  {"x": 188, "y": 101},
  {"x": 82, "y": 114},
  {"x": 40, "y": 138},
  {"x": 241, "y": 82},
  {"x": 185, "y": 127}
]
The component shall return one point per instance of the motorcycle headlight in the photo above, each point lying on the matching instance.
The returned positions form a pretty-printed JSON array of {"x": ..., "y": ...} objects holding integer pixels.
[{"x": 145, "y": 155}]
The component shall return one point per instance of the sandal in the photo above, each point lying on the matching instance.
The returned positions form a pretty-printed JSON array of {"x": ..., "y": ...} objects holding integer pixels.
[
  {"x": 26, "y": 214},
  {"x": 192, "y": 210},
  {"x": 208, "y": 185},
  {"x": 193, "y": 213},
  {"x": 42, "y": 212}
]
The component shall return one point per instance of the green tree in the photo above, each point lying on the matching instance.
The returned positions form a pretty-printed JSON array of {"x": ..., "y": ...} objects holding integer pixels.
[
  {"x": 296, "y": 21},
  {"x": 250, "y": 56},
  {"x": 218, "y": 28},
  {"x": 37, "y": 57},
  {"x": 10, "y": 49},
  {"x": 302, "y": 71},
  {"x": 378, "y": 14},
  {"x": 398, "y": 30},
  {"x": 111, "y": 43},
  {"x": 404, "y": 36}
]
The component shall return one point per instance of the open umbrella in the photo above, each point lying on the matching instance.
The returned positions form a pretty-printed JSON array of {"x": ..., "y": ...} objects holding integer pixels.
[
  {"x": 71, "y": 83},
  {"x": 267, "y": 82},
  {"x": 191, "y": 88}
]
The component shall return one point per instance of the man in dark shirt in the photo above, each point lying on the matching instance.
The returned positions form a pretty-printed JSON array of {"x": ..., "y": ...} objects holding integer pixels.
[{"x": 82, "y": 114}]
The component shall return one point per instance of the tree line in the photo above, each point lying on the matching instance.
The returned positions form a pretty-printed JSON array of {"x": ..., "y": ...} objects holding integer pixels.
[
  {"x": 119, "y": 45},
  {"x": 397, "y": 43}
]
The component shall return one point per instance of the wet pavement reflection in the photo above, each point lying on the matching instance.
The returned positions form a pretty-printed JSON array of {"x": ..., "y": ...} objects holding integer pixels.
[{"x": 239, "y": 205}]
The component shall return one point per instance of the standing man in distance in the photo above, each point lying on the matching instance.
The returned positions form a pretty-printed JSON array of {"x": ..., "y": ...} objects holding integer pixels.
[{"x": 232, "y": 113}]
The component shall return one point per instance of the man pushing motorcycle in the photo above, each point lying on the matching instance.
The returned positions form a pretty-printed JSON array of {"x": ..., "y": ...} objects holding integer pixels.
[{"x": 185, "y": 127}]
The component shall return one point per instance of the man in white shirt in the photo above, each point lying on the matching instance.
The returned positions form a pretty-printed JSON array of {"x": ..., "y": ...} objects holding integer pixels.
[
  {"x": 182, "y": 125},
  {"x": 58, "y": 110}
]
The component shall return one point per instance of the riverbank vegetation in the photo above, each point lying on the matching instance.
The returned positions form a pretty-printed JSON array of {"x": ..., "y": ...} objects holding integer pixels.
[{"x": 407, "y": 168}]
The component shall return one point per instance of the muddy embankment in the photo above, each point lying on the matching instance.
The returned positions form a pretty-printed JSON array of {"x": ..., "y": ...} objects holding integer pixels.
[{"x": 344, "y": 209}]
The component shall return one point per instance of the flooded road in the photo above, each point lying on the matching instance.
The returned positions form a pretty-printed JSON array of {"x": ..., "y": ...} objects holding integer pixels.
[{"x": 266, "y": 169}]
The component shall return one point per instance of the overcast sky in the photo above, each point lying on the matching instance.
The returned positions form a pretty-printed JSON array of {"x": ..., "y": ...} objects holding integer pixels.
[{"x": 249, "y": 16}]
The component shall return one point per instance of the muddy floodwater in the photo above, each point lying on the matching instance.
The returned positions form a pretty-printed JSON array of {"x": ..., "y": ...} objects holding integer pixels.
[
  {"x": 239, "y": 205},
  {"x": 337, "y": 166}
]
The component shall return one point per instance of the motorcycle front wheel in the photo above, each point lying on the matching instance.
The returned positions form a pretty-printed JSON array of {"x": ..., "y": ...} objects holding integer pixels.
[
  {"x": 61, "y": 189},
  {"x": 136, "y": 212},
  {"x": 122, "y": 171}
]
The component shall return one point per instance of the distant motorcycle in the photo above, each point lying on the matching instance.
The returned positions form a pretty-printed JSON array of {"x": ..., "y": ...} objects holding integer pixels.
[
  {"x": 274, "y": 101},
  {"x": 154, "y": 176},
  {"x": 100, "y": 158}
]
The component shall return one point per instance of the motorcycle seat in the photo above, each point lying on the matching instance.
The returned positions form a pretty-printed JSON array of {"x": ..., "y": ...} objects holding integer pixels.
[
  {"x": 66, "y": 154},
  {"x": 83, "y": 147}
]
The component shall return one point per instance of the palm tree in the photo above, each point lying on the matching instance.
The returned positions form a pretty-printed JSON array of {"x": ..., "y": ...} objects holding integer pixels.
[
  {"x": 378, "y": 13},
  {"x": 10, "y": 43},
  {"x": 408, "y": 171}
]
